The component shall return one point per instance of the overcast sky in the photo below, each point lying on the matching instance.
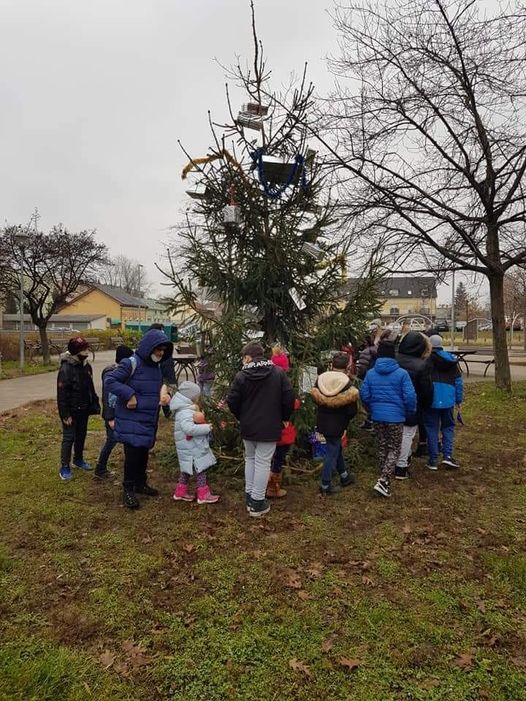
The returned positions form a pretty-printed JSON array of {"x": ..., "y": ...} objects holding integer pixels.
[{"x": 94, "y": 95}]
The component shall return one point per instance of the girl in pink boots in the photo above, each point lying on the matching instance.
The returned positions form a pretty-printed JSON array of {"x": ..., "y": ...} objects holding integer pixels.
[{"x": 193, "y": 447}]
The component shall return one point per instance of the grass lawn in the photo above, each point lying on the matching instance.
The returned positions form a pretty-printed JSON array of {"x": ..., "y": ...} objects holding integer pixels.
[
  {"x": 354, "y": 598},
  {"x": 11, "y": 368}
]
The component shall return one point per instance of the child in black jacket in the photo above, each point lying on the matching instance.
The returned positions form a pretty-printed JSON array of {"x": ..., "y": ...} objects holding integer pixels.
[
  {"x": 336, "y": 399},
  {"x": 76, "y": 400}
]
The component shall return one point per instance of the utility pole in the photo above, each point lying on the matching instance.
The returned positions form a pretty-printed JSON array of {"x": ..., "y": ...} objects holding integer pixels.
[
  {"x": 453, "y": 312},
  {"x": 139, "y": 280}
]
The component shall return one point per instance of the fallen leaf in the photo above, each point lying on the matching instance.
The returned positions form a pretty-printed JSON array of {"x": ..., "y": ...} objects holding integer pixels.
[
  {"x": 349, "y": 664},
  {"x": 328, "y": 644},
  {"x": 367, "y": 581},
  {"x": 293, "y": 580},
  {"x": 482, "y": 531},
  {"x": 314, "y": 569},
  {"x": 464, "y": 661},
  {"x": 135, "y": 653},
  {"x": 429, "y": 684},
  {"x": 188, "y": 547},
  {"x": 299, "y": 666},
  {"x": 304, "y": 595},
  {"x": 407, "y": 529},
  {"x": 106, "y": 659}
]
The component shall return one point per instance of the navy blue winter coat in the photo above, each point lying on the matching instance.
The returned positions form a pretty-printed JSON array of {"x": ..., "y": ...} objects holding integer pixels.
[
  {"x": 388, "y": 392},
  {"x": 138, "y": 427}
]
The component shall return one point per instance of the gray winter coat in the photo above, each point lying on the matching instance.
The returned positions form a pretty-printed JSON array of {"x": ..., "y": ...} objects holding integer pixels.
[{"x": 191, "y": 439}]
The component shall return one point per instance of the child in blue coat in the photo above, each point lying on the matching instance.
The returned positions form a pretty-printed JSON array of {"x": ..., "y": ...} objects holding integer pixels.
[
  {"x": 448, "y": 390},
  {"x": 136, "y": 382},
  {"x": 388, "y": 394}
]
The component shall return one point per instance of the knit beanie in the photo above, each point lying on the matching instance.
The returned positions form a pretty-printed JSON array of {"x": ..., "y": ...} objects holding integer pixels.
[
  {"x": 77, "y": 345},
  {"x": 386, "y": 349},
  {"x": 189, "y": 390},
  {"x": 436, "y": 340},
  {"x": 281, "y": 360},
  {"x": 122, "y": 352}
]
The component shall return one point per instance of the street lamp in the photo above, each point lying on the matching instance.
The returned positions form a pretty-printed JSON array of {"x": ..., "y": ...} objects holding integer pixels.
[
  {"x": 140, "y": 266},
  {"x": 21, "y": 238}
]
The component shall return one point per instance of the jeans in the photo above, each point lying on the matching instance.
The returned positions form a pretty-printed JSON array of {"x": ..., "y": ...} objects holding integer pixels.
[
  {"x": 407, "y": 445},
  {"x": 436, "y": 421},
  {"x": 333, "y": 459},
  {"x": 74, "y": 436},
  {"x": 135, "y": 463},
  {"x": 278, "y": 461},
  {"x": 389, "y": 437},
  {"x": 258, "y": 455},
  {"x": 102, "y": 462}
]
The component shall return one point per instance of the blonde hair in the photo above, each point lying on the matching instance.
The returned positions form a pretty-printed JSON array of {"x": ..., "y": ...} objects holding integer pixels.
[{"x": 429, "y": 347}]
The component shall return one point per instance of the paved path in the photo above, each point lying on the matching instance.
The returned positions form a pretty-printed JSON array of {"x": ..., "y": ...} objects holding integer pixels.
[{"x": 21, "y": 390}]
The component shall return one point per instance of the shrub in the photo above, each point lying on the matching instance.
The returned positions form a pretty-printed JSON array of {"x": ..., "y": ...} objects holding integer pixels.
[{"x": 9, "y": 346}]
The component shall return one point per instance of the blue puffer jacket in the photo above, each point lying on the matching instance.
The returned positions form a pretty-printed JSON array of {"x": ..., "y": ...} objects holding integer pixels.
[
  {"x": 138, "y": 427},
  {"x": 388, "y": 392},
  {"x": 448, "y": 385},
  {"x": 191, "y": 440}
]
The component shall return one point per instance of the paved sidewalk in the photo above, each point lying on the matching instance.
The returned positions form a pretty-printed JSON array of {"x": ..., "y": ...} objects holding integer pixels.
[{"x": 22, "y": 390}]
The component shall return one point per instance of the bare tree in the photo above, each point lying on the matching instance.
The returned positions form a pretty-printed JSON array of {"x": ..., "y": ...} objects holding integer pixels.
[
  {"x": 428, "y": 121},
  {"x": 126, "y": 273},
  {"x": 52, "y": 265}
]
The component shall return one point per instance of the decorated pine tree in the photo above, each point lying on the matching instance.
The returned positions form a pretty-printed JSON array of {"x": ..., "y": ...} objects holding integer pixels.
[{"x": 262, "y": 233}]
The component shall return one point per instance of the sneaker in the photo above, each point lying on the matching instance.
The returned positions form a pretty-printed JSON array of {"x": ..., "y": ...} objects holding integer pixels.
[
  {"x": 383, "y": 487},
  {"x": 147, "y": 490},
  {"x": 248, "y": 499},
  {"x": 432, "y": 465},
  {"x": 205, "y": 496},
  {"x": 347, "y": 480},
  {"x": 129, "y": 499},
  {"x": 449, "y": 463},
  {"x": 65, "y": 473},
  {"x": 82, "y": 465},
  {"x": 258, "y": 508},
  {"x": 181, "y": 493},
  {"x": 401, "y": 473},
  {"x": 103, "y": 474}
]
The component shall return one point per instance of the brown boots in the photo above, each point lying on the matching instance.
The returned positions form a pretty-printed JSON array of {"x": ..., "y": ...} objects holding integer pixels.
[{"x": 274, "y": 490}]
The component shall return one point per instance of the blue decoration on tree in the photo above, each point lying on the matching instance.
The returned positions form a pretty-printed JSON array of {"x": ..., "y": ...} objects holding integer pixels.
[{"x": 274, "y": 192}]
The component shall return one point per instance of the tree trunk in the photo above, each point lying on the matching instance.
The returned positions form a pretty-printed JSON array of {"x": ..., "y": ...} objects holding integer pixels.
[
  {"x": 500, "y": 348},
  {"x": 44, "y": 342},
  {"x": 524, "y": 321}
]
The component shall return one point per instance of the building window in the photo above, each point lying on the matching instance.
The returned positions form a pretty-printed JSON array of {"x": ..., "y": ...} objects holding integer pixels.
[
  {"x": 393, "y": 293},
  {"x": 409, "y": 293},
  {"x": 394, "y": 311}
]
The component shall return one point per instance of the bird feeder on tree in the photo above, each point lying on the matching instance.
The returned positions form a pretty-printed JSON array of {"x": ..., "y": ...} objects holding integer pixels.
[
  {"x": 251, "y": 116},
  {"x": 198, "y": 192},
  {"x": 232, "y": 212},
  {"x": 297, "y": 299},
  {"x": 315, "y": 251}
]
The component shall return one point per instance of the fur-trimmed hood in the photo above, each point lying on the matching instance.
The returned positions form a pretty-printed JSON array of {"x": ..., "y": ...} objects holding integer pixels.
[{"x": 334, "y": 389}]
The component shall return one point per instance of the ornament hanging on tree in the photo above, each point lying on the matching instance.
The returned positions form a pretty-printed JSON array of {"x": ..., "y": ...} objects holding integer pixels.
[
  {"x": 231, "y": 213},
  {"x": 297, "y": 299}
]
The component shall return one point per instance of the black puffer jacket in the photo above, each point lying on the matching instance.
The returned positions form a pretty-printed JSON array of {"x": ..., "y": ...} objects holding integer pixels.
[
  {"x": 336, "y": 399},
  {"x": 261, "y": 398},
  {"x": 409, "y": 356},
  {"x": 75, "y": 389}
]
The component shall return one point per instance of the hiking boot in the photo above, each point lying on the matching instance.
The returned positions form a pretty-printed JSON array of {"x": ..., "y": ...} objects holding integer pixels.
[
  {"x": 258, "y": 508},
  {"x": 327, "y": 490},
  {"x": 65, "y": 473},
  {"x": 432, "y": 465},
  {"x": 449, "y": 463},
  {"x": 401, "y": 473},
  {"x": 205, "y": 496},
  {"x": 103, "y": 474},
  {"x": 181, "y": 493},
  {"x": 129, "y": 499},
  {"x": 82, "y": 465},
  {"x": 147, "y": 490},
  {"x": 347, "y": 480},
  {"x": 383, "y": 487},
  {"x": 274, "y": 490}
]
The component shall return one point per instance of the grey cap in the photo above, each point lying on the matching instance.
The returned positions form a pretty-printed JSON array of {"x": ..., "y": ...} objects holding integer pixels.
[
  {"x": 436, "y": 340},
  {"x": 189, "y": 390}
]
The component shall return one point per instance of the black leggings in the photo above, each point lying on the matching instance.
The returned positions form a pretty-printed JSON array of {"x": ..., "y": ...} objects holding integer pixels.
[
  {"x": 74, "y": 435},
  {"x": 135, "y": 463}
]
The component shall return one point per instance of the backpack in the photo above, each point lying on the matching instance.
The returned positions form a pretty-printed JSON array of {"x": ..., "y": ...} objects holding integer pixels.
[{"x": 112, "y": 398}]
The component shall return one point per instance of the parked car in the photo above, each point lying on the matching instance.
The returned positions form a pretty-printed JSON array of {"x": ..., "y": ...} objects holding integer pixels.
[{"x": 441, "y": 325}]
